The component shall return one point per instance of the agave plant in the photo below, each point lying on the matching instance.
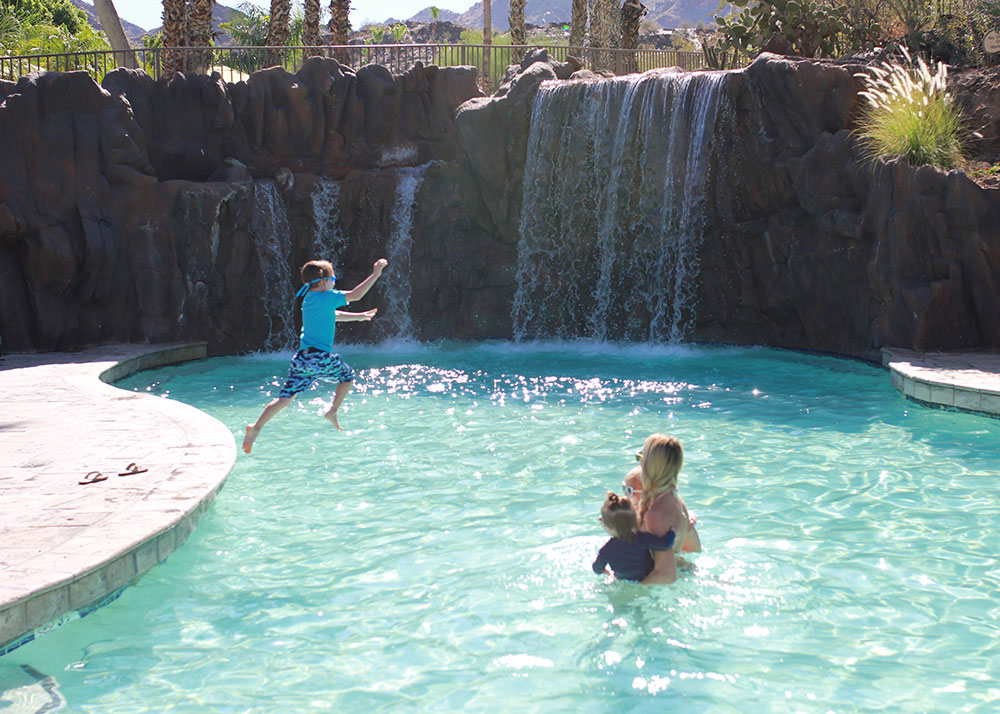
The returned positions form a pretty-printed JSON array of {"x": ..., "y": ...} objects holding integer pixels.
[{"x": 910, "y": 113}]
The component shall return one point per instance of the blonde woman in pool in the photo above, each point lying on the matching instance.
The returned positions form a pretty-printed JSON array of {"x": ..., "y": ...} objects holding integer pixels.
[{"x": 660, "y": 506}]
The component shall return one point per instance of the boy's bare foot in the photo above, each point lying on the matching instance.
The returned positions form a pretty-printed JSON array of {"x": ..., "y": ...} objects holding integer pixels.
[
  {"x": 250, "y": 437},
  {"x": 332, "y": 416}
]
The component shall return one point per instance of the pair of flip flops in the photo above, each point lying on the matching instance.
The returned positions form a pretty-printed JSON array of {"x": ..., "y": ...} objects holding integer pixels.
[{"x": 97, "y": 476}]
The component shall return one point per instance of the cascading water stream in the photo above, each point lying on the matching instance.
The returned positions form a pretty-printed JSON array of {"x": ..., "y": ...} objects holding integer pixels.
[
  {"x": 614, "y": 204},
  {"x": 396, "y": 321},
  {"x": 329, "y": 241},
  {"x": 271, "y": 234}
]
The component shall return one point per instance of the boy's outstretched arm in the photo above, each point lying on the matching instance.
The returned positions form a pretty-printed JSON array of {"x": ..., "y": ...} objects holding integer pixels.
[
  {"x": 355, "y": 316},
  {"x": 365, "y": 285}
]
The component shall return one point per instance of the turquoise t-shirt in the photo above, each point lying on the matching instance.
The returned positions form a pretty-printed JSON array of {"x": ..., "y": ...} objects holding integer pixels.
[{"x": 319, "y": 319}]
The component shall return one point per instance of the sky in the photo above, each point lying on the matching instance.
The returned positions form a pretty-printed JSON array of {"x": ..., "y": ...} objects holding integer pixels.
[{"x": 147, "y": 14}]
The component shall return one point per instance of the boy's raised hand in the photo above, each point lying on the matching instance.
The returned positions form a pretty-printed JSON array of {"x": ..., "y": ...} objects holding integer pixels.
[{"x": 379, "y": 266}]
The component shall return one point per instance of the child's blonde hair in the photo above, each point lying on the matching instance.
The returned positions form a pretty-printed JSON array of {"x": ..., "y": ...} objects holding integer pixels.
[
  {"x": 661, "y": 461},
  {"x": 618, "y": 515},
  {"x": 316, "y": 269}
]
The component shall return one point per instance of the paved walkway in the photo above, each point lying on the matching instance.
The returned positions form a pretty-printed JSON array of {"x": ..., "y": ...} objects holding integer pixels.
[
  {"x": 969, "y": 381},
  {"x": 65, "y": 546}
]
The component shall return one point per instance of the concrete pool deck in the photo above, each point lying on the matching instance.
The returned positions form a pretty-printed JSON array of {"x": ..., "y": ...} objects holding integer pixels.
[
  {"x": 967, "y": 381},
  {"x": 65, "y": 547}
]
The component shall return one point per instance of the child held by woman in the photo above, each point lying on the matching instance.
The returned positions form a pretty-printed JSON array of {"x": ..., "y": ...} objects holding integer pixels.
[{"x": 628, "y": 550}]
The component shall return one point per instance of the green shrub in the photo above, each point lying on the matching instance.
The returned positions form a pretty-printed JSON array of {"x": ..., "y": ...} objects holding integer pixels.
[
  {"x": 957, "y": 38},
  {"x": 60, "y": 13},
  {"x": 811, "y": 28},
  {"x": 33, "y": 28},
  {"x": 398, "y": 31},
  {"x": 909, "y": 113},
  {"x": 988, "y": 172}
]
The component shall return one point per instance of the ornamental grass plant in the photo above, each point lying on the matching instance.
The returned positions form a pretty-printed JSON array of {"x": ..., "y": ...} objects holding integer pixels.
[{"x": 910, "y": 113}]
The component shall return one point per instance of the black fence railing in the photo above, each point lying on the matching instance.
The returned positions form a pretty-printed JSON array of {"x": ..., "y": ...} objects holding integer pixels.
[{"x": 238, "y": 63}]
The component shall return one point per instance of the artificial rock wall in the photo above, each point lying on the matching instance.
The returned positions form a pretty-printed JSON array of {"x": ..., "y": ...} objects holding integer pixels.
[
  {"x": 180, "y": 209},
  {"x": 150, "y": 211},
  {"x": 800, "y": 243}
]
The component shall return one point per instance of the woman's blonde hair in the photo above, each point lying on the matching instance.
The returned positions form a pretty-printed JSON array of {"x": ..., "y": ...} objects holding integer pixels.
[{"x": 661, "y": 461}]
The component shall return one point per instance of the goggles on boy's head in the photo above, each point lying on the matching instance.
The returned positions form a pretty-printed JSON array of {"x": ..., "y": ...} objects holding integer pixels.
[{"x": 305, "y": 288}]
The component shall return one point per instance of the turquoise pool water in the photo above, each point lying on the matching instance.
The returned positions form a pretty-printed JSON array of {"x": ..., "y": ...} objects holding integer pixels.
[{"x": 436, "y": 556}]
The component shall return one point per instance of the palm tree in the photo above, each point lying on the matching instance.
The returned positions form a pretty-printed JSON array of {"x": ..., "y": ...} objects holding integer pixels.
[
  {"x": 340, "y": 27},
  {"x": 277, "y": 30},
  {"x": 112, "y": 25},
  {"x": 310, "y": 23},
  {"x": 632, "y": 12},
  {"x": 488, "y": 41},
  {"x": 174, "y": 34},
  {"x": 605, "y": 30},
  {"x": 199, "y": 30},
  {"x": 578, "y": 23},
  {"x": 435, "y": 14},
  {"x": 517, "y": 34}
]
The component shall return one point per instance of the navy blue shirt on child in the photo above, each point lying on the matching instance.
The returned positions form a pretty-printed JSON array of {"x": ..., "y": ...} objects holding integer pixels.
[{"x": 632, "y": 560}]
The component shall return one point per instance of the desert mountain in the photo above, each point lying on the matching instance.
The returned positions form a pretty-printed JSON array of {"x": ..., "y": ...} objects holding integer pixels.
[
  {"x": 220, "y": 14},
  {"x": 131, "y": 31},
  {"x": 665, "y": 13}
]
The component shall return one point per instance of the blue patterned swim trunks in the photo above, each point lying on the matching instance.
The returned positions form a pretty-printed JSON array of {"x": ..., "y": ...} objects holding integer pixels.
[{"x": 311, "y": 364}]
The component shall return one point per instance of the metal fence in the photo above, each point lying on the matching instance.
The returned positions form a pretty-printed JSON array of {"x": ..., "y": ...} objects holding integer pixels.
[{"x": 238, "y": 63}]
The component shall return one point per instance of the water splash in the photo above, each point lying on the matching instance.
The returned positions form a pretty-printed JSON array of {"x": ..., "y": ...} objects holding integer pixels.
[
  {"x": 271, "y": 234},
  {"x": 396, "y": 322},
  {"x": 613, "y": 207},
  {"x": 329, "y": 241}
]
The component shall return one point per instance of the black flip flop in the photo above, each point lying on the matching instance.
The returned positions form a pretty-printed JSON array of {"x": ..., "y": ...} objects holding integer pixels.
[{"x": 133, "y": 469}]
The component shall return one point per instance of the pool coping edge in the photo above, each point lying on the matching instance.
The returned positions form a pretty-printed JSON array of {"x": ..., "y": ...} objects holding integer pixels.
[{"x": 79, "y": 593}]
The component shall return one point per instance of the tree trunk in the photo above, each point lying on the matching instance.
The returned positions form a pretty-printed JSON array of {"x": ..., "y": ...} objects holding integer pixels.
[
  {"x": 632, "y": 12},
  {"x": 605, "y": 32},
  {"x": 174, "y": 34},
  {"x": 486, "y": 79},
  {"x": 310, "y": 23},
  {"x": 112, "y": 25},
  {"x": 340, "y": 27},
  {"x": 200, "y": 32},
  {"x": 517, "y": 34},
  {"x": 277, "y": 30},
  {"x": 578, "y": 24}
]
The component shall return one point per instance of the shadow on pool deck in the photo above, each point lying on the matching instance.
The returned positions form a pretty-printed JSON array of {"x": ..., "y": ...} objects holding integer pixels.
[{"x": 66, "y": 547}]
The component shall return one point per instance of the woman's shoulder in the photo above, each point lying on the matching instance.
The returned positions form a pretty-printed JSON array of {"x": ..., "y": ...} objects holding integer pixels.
[
  {"x": 663, "y": 515},
  {"x": 657, "y": 521}
]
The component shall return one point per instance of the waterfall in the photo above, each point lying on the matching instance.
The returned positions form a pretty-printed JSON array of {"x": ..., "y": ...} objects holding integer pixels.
[
  {"x": 271, "y": 234},
  {"x": 613, "y": 207},
  {"x": 329, "y": 241},
  {"x": 396, "y": 322}
]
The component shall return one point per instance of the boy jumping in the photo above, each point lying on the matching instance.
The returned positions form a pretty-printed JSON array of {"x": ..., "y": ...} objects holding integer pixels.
[{"x": 315, "y": 358}]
